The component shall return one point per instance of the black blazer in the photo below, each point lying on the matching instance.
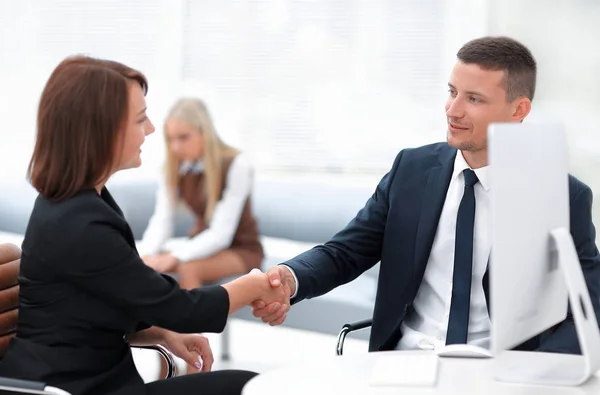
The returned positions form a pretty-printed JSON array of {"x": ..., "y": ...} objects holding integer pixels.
[
  {"x": 83, "y": 287},
  {"x": 397, "y": 226}
]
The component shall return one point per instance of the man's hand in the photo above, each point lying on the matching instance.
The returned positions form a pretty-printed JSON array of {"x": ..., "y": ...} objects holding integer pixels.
[
  {"x": 193, "y": 349},
  {"x": 274, "y": 313},
  {"x": 162, "y": 263}
]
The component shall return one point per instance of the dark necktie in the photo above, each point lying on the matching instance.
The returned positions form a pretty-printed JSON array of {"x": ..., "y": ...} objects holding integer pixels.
[{"x": 458, "y": 323}]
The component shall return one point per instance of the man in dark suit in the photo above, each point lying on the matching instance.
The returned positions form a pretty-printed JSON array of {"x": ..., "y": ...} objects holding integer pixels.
[{"x": 427, "y": 222}]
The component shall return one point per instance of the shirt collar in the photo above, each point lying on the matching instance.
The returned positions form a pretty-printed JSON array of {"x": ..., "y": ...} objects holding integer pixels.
[
  {"x": 189, "y": 166},
  {"x": 483, "y": 173}
]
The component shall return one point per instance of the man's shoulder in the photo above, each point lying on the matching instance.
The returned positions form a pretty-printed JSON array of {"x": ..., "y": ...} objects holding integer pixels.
[
  {"x": 439, "y": 148},
  {"x": 426, "y": 155},
  {"x": 576, "y": 187}
]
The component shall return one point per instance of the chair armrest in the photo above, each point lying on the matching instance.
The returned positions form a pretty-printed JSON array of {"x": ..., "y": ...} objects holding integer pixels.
[
  {"x": 355, "y": 326},
  {"x": 29, "y": 387},
  {"x": 36, "y": 387},
  {"x": 167, "y": 356}
]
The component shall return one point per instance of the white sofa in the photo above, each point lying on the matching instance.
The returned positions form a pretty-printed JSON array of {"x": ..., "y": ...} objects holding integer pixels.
[{"x": 292, "y": 215}]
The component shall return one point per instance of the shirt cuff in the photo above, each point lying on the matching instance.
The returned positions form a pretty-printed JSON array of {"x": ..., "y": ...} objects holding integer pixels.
[{"x": 295, "y": 280}]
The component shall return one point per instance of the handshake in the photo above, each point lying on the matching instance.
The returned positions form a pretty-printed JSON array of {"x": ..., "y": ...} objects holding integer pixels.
[{"x": 276, "y": 287}]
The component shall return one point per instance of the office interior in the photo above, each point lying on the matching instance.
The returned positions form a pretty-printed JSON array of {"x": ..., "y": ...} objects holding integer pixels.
[{"x": 321, "y": 95}]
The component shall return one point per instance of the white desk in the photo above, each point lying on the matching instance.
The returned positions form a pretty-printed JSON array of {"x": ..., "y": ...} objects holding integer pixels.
[{"x": 349, "y": 375}]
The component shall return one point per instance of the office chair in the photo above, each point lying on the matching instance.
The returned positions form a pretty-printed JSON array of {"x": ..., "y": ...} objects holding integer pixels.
[
  {"x": 10, "y": 256},
  {"x": 348, "y": 328}
]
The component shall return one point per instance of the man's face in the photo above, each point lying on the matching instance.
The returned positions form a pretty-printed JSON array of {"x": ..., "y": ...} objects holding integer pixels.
[{"x": 477, "y": 97}]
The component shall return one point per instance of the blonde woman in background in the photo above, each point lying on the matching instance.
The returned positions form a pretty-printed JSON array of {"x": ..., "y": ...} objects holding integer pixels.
[{"x": 214, "y": 181}]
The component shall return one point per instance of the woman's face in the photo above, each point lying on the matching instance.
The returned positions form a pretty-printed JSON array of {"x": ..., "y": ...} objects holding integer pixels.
[
  {"x": 184, "y": 141},
  {"x": 137, "y": 127}
]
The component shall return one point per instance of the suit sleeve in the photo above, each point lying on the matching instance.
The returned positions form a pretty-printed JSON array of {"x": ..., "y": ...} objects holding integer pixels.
[
  {"x": 100, "y": 261},
  {"x": 350, "y": 252},
  {"x": 563, "y": 338}
]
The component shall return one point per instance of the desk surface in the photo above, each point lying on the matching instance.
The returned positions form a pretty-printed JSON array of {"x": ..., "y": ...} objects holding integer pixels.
[{"x": 349, "y": 375}]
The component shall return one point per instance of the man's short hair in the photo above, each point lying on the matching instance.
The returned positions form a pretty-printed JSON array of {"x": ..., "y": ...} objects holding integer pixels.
[{"x": 507, "y": 54}]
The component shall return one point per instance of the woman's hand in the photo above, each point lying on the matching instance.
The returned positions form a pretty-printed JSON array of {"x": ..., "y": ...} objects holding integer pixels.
[
  {"x": 162, "y": 263},
  {"x": 273, "y": 293},
  {"x": 246, "y": 289},
  {"x": 193, "y": 349}
]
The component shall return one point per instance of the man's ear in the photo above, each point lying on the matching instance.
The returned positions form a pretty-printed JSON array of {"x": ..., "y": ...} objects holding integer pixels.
[{"x": 521, "y": 108}]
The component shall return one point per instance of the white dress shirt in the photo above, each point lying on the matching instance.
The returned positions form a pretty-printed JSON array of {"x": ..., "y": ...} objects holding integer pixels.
[
  {"x": 426, "y": 325},
  {"x": 225, "y": 220}
]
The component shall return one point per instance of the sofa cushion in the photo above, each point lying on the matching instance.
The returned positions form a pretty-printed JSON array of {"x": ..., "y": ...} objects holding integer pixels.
[
  {"x": 17, "y": 198},
  {"x": 360, "y": 291},
  {"x": 10, "y": 237},
  {"x": 278, "y": 250},
  {"x": 306, "y": 210},
  {"x": 286, "y": 208}
]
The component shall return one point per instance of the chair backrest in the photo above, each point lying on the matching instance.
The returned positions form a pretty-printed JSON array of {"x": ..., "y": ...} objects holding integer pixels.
[{"x": 10, "y": 256}]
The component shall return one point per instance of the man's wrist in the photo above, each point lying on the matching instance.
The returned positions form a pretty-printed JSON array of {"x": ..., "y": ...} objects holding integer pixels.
[{"x": 290, "y": 280}]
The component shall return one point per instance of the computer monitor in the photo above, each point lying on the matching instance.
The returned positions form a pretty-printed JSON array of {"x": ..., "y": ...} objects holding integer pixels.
[
  {"x": 530, "y": 198},
  {"x": 534, "y": 265}
]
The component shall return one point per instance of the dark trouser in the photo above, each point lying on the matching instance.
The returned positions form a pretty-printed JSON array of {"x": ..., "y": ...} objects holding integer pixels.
[{"x": 220, "y": 382}]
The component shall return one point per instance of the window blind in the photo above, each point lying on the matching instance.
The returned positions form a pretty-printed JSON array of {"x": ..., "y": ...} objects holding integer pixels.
[{"x": 320, "y": 86}]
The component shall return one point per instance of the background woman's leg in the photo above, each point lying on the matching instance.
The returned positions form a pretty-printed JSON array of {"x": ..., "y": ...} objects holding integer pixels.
[{"x": 194, "y": 274}]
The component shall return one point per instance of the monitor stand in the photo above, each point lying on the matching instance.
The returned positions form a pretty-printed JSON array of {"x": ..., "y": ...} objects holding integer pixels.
[{"x": 543, "y": 368}]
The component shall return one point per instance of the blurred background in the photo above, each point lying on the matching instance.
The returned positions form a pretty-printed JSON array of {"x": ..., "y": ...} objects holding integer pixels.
[
  {"x": 327, "y": 90},
  {"x": 330, "y": 88}
]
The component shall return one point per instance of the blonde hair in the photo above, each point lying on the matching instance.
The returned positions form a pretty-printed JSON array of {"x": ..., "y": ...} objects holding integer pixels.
[{"x": 194, "y": 112}]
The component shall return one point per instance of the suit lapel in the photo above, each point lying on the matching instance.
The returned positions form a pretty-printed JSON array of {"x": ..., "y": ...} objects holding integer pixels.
[{"x": 433, "y": 202}]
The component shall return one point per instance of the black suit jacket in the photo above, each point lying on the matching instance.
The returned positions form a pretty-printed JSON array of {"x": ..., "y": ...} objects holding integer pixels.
[
  {"x": 83, "y": 287},
  {"x": 397, "y": 226}
]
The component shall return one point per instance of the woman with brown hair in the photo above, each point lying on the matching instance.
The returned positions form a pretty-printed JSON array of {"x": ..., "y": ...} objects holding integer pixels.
[
  {"x": 214, "y": 181},
  {"x": 85, "y": 293}
]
